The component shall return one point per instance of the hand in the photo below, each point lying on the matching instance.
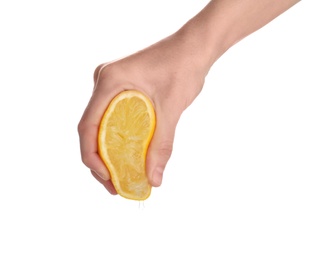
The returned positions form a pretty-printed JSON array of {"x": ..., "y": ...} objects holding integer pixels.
[
  {"x": 165, "y": 72},
  {"x": 171, "y": 72}
]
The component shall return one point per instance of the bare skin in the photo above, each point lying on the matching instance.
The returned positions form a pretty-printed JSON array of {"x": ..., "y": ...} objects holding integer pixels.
[{"x": 172, "y": 73}]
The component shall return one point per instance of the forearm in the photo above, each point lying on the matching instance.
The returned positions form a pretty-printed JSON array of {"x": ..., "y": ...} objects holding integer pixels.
[{"x": 222, "y": 23}]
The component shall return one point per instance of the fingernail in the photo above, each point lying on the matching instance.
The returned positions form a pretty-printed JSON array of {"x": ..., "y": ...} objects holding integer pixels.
[
  {"x": 102, "y": 176},
  {"x": 157, "y": 176}
]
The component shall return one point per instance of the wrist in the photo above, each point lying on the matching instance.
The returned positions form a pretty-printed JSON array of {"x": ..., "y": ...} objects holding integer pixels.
[
  {"x": 223, "y": 23},
  {"x": 202, "y": 44}
]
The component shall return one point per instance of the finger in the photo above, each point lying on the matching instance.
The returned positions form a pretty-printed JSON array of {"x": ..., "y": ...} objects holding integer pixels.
[
  {"x": 160, "y": 148},
  {"x": 107, "y": 184},
  {"x": 89, "y": 154}
]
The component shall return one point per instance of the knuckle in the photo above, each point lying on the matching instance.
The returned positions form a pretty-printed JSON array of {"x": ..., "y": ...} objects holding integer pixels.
[
  {"x": 80, "y": 127},
  {"x": 165, "y": 149},
  {"x": 85, "y": 160},
  {"x": 105, "y": 71},
  {"x": 98, "y": 70}
]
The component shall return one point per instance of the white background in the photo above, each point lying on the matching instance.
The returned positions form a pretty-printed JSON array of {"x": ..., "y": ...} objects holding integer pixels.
[{"x": 245, "y": 177}]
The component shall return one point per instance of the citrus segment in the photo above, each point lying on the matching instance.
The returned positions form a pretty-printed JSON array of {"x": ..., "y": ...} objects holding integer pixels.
[{"x": 124, "y": 135}]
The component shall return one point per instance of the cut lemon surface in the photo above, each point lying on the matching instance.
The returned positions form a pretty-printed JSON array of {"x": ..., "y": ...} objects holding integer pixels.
[{"x": 125, "y": 132}]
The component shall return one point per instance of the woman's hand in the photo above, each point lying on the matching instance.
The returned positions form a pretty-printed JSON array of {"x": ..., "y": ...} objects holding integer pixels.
[{"x": 167, "y": 73}]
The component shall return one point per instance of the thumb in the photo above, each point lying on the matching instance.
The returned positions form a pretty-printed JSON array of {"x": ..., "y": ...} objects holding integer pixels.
[{"x": 160, "y": 149}]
